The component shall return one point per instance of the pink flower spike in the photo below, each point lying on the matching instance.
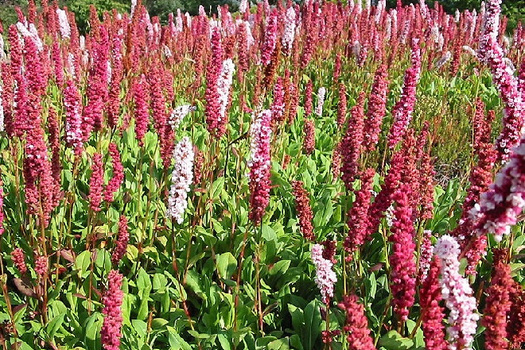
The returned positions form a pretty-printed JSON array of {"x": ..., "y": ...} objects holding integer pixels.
[
  {"x": 122, "y": 240},
  {"x": 356, "y": 324},
  {"x": 325, "y": 277},
  {"x": 303, "y": 210},
  {"x": 259, "y": 164},
  {"x": 270, "y": 39},
  {"x": 41, "y": 265},
  {"x": 404, "y": 108},
  {"x": 432, "y": 313},
  {"x": 96, "y": 183},
  {"x": 181, "y": 180},
  {"x": 458, "y": 295},
  {"x": 402, "y": 259},
  {"x": 500, "y": 206},
  {"x": 18, "y": 257},
  {"x": 118, "y": 174},
  {"x": 111, "y": 331},
  {"x": 289, "y": 31}
]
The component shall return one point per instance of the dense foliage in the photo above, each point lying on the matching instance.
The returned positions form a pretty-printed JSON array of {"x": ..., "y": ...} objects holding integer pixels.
[{"x": 283, "y": 177}]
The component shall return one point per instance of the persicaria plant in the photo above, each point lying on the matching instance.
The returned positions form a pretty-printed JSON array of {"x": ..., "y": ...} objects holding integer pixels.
[{"x": 325, "y": 175}]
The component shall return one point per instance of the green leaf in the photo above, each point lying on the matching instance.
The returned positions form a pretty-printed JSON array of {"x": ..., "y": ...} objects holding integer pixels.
[
  {"x": 307, "y": 324},
  {"x": 224, "y": 341},
  {"x": 82, "y": 262},
  {"x": 141, "y": 328},
  {"x": 268, "y": 234},
  {"x": 297, "y": 317},
  {"x": 262, "y": 343},
  {"x": 20, "y": 314},
  {"x": 226, "y": 265},
  {"x": 54, "y": 325},
  {"x": 143, "y": 282},
  {"x": 325, "y": 210},
  {"x": 144, "y": 286},
  {"x": 175, "y": 340},
  {"x": 280, "y": 267},
  {"x": 394, "y": 341},
  {"x": 103, "y": 260},
  {"x": 419, "y": 341},
  {"x": 216, "y": 188},
  {"x": 158, "y": 323},
  {"x": 132, "y": 253},
  {"x": 160, "y": 282},
  {"x": 312, "y": 320},
  {"x": 516, "y": 267},
  {"x": 295, "y": 342},
  {"x": 92, "y": 328},
  {"x": 278, "y": 273},
  {"x": 193, "y": 280},
  {"x": 279, "y": 344},
  {"x": 198, "y": 335},
  {"x": 371, "y": 286}
]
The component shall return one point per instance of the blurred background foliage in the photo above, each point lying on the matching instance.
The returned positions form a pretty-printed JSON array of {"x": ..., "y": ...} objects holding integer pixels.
[
  {"x": 159, "y": 8},
  {"x": 515, "y": 9}
]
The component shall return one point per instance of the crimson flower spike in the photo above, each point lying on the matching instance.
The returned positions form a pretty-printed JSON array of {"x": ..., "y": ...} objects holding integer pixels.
[
  {"x": 260, "y": 165},
  {"x": 303, "y": 209},
  {"x": 404, "y": 108},
  {"x": 402, "y": 261},
  {"x": 213, "y": 73},
  {"x": 96, "y": 183},
  {"x": 376, "y": 108},
  {"x": 118, "y": 174},
  {"x": 356, "y": 324},
  {"x": 498, "y": 303},
  {"x": 111, "y": 331},
  {"x": 351, "y": 144},
  {"x": 491, "y": 52},
  {"x": 358, "y": 221},
  {"x": 432, "y": 313}
]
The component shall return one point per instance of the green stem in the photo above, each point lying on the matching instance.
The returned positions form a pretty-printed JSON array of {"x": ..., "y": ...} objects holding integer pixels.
[
  {"x": 382, "y": 320},
  {"x": 258, "y": 280}
]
